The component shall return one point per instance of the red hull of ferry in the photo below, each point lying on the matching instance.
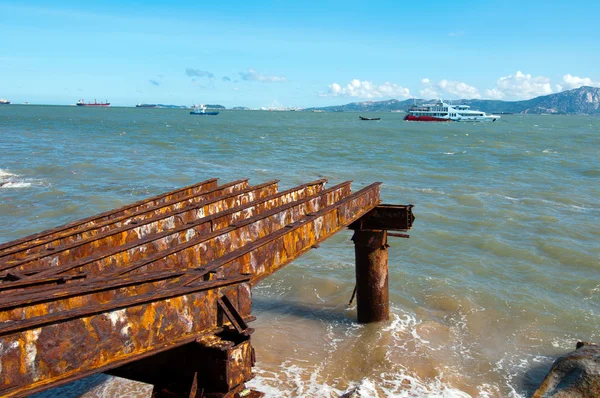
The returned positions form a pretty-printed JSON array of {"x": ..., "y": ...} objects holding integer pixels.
[{"x": 425, "y": 119}]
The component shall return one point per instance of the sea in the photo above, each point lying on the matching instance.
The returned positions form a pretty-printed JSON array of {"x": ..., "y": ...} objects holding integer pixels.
[{"x": 500, "y": 275}]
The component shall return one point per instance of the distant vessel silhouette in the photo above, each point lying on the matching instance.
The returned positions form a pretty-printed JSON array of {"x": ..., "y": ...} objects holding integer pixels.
[
  {"x": 201, "y": 110},
  {"x": 83, "y": 103}
]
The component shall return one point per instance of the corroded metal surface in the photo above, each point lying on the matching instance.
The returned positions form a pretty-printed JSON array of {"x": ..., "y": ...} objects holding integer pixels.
[
  {"x": 268, "y": 254},
  {"x": 99, "y": 218},
  {"x": 115, "y": 231},
  {"x": 155, "y": 235},
  {"x": 123, "y": 295},
  {"x": 62, "y": 340},
  {"x": 372, "y": 293},
  {"x": 387, "y": 217},
  {"x": 195, "y": 243}
]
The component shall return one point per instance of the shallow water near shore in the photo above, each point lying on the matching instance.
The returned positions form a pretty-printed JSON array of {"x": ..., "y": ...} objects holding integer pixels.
[{"x": 500, "y": 274}]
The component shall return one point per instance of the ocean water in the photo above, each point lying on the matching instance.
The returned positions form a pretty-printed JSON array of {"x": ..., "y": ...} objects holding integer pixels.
[{"x": 501, "y": 273}]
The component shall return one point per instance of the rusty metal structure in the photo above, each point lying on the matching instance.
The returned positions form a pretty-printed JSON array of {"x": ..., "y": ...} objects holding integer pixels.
[{"x": 160, "y": 291}]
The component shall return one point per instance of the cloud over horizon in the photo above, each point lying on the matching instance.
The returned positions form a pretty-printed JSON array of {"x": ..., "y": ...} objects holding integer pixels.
[
  {"x": 520, "y": 86},
  {"x": 198, "y": 73},
  {"x": 366, "y": 89},
  {"x": 570, "y": 82},
  {"x": 448, "y": 89},
  {"x": 252, "y": 75}
]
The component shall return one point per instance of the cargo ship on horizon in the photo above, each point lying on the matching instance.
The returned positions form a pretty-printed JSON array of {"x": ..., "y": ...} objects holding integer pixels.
[
  {"x": 145, "y": 106},
  {"x": 81, "y": 102}
]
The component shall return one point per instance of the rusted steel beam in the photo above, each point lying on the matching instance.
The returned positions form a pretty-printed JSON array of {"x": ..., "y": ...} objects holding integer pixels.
[
  {"x": 240, "y": 234},
  {"x": 388, "y": 217},
  {"x": 128, "y": 237},
  {"x": 270, "y": 253},
  {"x": 108, "y": 215},
  {"x": 372, "y": 293},
  {"x": 168, "y": 212},
  {"x": 164, "y": 251},
  {"x": 153, "y": 221},
  {"x": 116, "y": 326},
  {"x": 214, "y": 222}
]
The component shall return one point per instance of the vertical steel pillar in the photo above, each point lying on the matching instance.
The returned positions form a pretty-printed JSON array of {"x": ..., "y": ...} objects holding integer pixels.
[{"x": 372, "y": 294}]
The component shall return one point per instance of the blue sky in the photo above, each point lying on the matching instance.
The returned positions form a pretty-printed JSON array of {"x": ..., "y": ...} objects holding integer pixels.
[{"x": 294, "y": 54}]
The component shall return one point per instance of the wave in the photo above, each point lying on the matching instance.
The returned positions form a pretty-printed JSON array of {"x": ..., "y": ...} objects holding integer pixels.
[{"x": 11, "y": 180}]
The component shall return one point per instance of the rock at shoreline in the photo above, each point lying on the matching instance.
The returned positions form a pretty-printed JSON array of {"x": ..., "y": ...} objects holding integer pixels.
[{"x": 574, "y": 375}]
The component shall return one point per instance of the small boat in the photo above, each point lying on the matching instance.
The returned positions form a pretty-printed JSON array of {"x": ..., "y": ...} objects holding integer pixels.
[
  {"x": 4, "y": 101},
  {"x": 81, "y": 102},
  {"x": 201, "y": 110},
  {"x": 445, "y": 112},
  {"x": 369, "y": 118},
  {"x": 145, "y": 106}
]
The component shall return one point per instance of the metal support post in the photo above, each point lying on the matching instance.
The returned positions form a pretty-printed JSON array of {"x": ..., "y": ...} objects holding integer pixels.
[{"x": 372, "y": 292}]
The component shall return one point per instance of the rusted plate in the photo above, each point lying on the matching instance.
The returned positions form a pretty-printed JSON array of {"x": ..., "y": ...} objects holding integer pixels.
[
  {"x": 127, "y": 209},
  {"x": 226, "y": 365},
  {"x": 71, "y": 341},
  {"x": 387, "y": 217}
]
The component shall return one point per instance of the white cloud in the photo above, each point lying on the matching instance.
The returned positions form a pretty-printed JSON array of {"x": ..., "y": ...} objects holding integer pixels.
[
  {"x": 448, "y": 88},
  {"x": 366, "y": 89},
  {"x": 429, "y": 93},
  {"x": 520, "y": 86},
  {"x": 570, "y": 82},
  {"x": 494, "y": 94},
  {"x": 459, "y": 89},
  {"x": 253, "y": 75}
]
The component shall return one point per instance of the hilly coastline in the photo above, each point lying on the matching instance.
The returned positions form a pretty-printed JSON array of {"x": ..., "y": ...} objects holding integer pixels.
[{"x": 580, "y": 101}]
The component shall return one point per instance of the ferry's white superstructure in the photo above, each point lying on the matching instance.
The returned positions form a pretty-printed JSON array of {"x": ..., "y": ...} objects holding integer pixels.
[{"x": 444, "y": 112}]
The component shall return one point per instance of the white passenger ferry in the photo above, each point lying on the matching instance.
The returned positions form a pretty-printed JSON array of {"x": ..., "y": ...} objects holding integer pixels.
[{"x": 444, "y": 112}]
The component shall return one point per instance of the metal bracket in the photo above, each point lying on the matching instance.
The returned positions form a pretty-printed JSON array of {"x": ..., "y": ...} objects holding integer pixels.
[
  {"x": 388, "y": 217},
  {"x": 232, "y": 314}
]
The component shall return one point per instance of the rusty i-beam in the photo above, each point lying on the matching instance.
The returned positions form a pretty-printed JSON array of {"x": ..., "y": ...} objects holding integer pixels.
[{"x": 160, "y": 290}]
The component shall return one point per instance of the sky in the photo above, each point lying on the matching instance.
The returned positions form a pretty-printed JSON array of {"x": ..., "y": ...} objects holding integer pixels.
[{"x": 273, "y": 53}]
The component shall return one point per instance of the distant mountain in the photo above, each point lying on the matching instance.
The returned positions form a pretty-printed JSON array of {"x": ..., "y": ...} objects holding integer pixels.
[
  {"x": 370, "y": 106},
  {"x": 171, "y": 106},
  {"x": 580, "y": 101},
  {"x": 186, "y": 107}
]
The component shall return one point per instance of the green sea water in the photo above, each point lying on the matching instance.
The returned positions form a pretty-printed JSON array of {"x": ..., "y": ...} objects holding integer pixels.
[{"x": 501, "y": 273}]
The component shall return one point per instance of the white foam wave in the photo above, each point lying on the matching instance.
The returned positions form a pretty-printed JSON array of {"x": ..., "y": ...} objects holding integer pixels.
[
  {"x": 5, "y": 174},
  {"x": 295, "y": 381},
  {"x": 11, "y": 180},
  {"x": 16, "y": 185}
]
